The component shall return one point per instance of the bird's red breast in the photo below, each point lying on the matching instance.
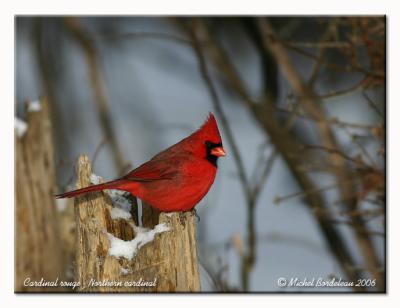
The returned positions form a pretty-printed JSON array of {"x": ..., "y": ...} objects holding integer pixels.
[{"x": 177, "y": 178}]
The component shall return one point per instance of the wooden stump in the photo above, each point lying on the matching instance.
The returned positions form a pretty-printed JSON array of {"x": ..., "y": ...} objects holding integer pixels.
[
  {"x": 168, "y": 263},
  {"x": 37, "y": 245}
]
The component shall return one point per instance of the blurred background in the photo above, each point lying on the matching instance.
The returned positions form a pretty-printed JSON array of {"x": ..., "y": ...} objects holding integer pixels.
[{"x": 300, "y": 103}]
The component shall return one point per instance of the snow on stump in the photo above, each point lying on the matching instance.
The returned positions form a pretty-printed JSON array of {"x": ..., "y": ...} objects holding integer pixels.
[{"x": 113, "y": 254}]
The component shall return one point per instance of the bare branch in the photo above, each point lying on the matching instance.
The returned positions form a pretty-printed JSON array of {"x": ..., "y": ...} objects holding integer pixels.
[
  {"x": 285, "y": 144},
  {"x": 82, "y": 37},
  {"x": 218, "y": 107},
  {"x": 309, "y": 103},
  {"x": 357, "y": 87},
  {"x": 264, "y": 175},
  {"x": 145, "y": 35}
]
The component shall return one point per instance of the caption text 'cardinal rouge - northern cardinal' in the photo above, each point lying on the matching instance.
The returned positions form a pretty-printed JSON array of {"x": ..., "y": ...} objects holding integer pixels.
[{"x": 175, "y": 179}]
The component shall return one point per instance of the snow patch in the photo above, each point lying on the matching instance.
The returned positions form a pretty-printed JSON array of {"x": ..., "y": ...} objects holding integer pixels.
[
  {"x": 117, "y": 213},
  {"x": 119, "y": 200},
  {"x": 125, "y": 271},
  {"x": 61, "y": 204},
  {"x": 95, "y": 179},
  {"x": 121, "y": 204},
  {"x": 20, "y": 127},
  {"x": 128, "y": 249},
  {"x": 34, "y": 106}
]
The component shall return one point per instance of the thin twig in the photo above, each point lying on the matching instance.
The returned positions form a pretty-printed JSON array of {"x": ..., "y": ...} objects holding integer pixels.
[
  {"x": 74, "y": 25},
  {"x": 286, "y": 145},
  {"x": 309, "y": 103},
  {"x": 264, "y": 175},
  {"x": 279, "y": 199},
  {"x": 372, "y": 104},
  {"x": 323, "y": 44},
  {"x": 339, "y": 67},
  {"x": 334, "y": 151},
  {"x": 362, "y": 149},
  {"x": 218, "y": 108},
  {"x": 321, "y": 52},
  {"x": 145, "y": 35},
  {"x": 333, "y": 121},
  {"x": 354, "y": 88}
]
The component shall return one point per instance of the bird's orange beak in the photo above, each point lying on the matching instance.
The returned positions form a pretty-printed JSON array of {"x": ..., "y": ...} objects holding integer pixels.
[{"x": 218, "y": 151}]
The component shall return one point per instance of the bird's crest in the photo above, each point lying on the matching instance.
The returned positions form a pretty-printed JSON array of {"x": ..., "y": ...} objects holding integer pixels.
[{"x": 209, "y": 129}]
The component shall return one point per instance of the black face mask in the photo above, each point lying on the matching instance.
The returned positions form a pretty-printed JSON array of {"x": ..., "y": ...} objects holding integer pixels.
[{"x": 210, "y": 157}]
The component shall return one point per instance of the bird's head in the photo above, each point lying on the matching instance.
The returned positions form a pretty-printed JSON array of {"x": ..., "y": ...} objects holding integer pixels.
[{"x": 207, "y": 142}]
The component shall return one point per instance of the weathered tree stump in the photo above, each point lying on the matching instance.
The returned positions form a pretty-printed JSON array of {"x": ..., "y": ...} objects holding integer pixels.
[
  {"x": 37, "y": 245},
  {"x": 167, "y": 264}
]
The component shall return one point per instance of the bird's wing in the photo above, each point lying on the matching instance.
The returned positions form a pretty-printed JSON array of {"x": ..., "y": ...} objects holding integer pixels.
[{"x": 153, "y": 170}]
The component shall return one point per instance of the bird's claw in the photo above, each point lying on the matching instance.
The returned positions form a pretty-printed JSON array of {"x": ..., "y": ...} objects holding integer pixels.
[
  {"x": 194, "y": 213},
  {"x": 182, "y": 217}
]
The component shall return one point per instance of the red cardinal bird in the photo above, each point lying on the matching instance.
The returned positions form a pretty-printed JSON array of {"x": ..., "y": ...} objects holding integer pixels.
[{"x": 175, "y": 179}]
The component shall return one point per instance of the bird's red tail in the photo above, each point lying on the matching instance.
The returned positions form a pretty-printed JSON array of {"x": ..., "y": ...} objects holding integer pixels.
[{"x": 109, "y": 185}]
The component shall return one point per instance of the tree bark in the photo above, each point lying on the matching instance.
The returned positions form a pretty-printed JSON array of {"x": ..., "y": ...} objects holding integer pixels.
[
  {"x": 37, "y": 229},
  {"x": 169, "y": 261}
]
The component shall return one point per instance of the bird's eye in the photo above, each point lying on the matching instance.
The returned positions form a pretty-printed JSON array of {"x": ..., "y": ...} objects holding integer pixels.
[{"x": 208, "y": 144}]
